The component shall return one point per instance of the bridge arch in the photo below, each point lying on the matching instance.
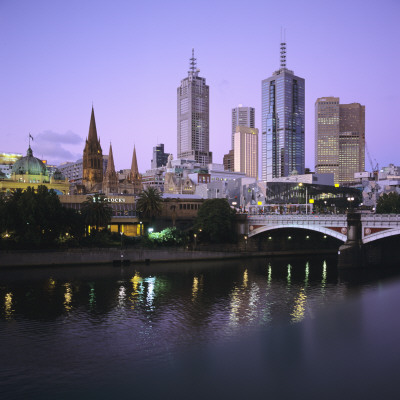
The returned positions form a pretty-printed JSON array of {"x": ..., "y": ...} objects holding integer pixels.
[
  {"x": 316, "y": 228},
  {"x": 380, "y": 235}
]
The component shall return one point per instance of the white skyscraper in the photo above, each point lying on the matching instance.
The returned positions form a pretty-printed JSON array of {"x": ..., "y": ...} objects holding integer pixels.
[{"x": 246, "y": 151}]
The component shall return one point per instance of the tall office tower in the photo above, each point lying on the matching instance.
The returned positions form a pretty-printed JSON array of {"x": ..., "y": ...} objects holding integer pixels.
[
  {"x": 339, "y": 138},
  {"x": 92, "y": 173},
  {"x": 246, "y": 151},
  {"x": 159, "y": 157},
  {"x": 193, "y": 117},
  {"x": 282, "y": 123},
  {"x": 327, "y": 136},
  {"x": 242, "y": 116}
]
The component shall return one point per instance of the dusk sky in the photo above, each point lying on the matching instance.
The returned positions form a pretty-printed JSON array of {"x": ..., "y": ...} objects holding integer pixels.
[{"x": 128, "y": 58}]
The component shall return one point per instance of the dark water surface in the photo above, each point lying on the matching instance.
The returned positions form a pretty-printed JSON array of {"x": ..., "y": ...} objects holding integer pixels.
[{"x": 276, "y": 328}]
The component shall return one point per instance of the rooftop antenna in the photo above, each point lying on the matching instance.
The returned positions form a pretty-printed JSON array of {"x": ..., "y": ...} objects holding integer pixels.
[
  {"x": 193, "y": 63},
  {"x": 283, "y": 48}
]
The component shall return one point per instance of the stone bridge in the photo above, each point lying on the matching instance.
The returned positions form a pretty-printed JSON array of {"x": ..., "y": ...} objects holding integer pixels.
[{"x": 370, "y": 227}]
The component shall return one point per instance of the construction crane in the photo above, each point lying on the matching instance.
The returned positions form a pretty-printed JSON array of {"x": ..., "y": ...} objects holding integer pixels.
[{"x": 375, "y": 169}]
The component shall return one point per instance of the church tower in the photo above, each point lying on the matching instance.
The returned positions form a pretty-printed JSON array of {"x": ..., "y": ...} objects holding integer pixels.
[
  {"x": 134, "y": 176},
  {"x": 110, "y": 180},
  {"x": 92, "y": 177}
]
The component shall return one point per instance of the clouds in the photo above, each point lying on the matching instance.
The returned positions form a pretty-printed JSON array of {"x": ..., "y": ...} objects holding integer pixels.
[
  {"x": 57, "y": 147},
  {"x": 68, "y": 137}
]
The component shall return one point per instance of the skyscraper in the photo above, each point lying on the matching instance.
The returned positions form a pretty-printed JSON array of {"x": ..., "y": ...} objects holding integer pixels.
[
  {"x": 242, "y": 116},
  {"x": 282, "y": 123},
  {"x": 193, "y": 117},
  {"x": 339, "y": 138},
  {"x": 160, "y": 158},
  {"x": 246, "y": 151}
]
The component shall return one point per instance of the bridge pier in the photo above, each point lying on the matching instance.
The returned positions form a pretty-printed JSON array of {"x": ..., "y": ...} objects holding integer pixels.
[{"x": 351, "y": 252}]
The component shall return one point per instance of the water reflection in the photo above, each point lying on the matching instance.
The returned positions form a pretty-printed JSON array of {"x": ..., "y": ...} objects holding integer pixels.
[
  {"x": 234, "y": 297},
  {"x": 136, "y": 289},
  {"x": 67, "y": 296},
  {"x": 195, "y": 287},
  {"x": 8, "y": 305},
  {"x": 165, "y": 308},
  {"x": 150, "y": 291},
  {"x": 121, "y": 296},
  {"x": 299, "y": 306}
]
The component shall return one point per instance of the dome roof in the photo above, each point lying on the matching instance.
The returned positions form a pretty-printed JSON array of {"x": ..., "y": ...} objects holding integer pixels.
[{"x": 29, "y": 165}]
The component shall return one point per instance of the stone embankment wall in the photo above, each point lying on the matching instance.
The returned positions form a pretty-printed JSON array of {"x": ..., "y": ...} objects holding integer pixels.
[{"x": 104, "y": 256}]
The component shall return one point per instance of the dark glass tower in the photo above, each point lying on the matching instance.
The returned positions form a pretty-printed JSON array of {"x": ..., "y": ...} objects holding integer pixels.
[{"x": 282, "y": 123}]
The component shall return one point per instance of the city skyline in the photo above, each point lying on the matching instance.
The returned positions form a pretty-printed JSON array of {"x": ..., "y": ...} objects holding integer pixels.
[{"x": 58, "y": 59}]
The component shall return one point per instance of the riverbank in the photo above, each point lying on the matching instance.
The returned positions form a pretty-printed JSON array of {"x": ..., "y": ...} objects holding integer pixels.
[{"x": 134, "y": 255}]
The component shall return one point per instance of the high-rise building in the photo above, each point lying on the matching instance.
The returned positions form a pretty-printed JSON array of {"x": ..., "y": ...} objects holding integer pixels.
[
  {"x": 229, "y": 161},
  {"x": 159, "y": 157},
  {"x": 193, "y": 117},
  {"x": 282, "y": 123},
  {"x": 246, "y": 151},
  {"x": 242, "y": 116},
  {"x": 339, "y": 138}
]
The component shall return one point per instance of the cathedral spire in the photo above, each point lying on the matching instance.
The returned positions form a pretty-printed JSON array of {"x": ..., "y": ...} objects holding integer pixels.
[
  {"x": 92, "y": 137},
  {"x": 110, "y": 164},
  {"x": 134, "y": 176},
  {"x": 134, "y": 166}
]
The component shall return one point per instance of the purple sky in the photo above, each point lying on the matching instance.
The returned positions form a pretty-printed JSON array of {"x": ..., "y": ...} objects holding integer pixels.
[{"x": 128, "y": 57}]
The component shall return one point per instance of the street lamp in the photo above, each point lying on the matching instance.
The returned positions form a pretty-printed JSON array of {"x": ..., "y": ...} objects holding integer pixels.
[
  {"x": 350, "y": 200},
  {"x": 245, "y": 242},
  {"x": 195, "y": 240}
]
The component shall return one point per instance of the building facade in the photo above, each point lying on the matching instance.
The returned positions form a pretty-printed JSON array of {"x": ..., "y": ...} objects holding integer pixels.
[
  {"x": 246, "y": 151},
  {"x": 242, "y": 116},
  {"x": 160, "y": 158},
  {"x": 193, "y": 117},
  {"x": 283, "y": 120},
  {"x": 229, "y": 161},
  {"x": 339, "y": 138}
]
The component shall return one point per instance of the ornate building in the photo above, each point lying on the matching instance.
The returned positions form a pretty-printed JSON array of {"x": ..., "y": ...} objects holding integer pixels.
[
  {"x": 92, "y": 160},
  {"x": 174, "y": 184},
  {"x": 30, "y": 171},
  {"x": 93, "y": 179}
]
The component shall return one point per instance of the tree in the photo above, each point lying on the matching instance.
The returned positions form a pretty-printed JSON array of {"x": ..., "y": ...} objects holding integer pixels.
[
  {"x": 215, "y": 221},
  {"x": 96, "y": 212},
  {"x": 388, "y": 203},
  {"x": 149, "y": 203},
  {"x": 33, "y": 217}
]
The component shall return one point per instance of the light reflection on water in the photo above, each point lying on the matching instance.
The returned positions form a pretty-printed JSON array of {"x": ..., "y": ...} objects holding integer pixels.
[{"x": 144, "y": 314}]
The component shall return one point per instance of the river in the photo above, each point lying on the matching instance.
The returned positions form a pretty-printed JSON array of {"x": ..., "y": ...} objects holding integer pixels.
[{"x": 216, "y": 329}]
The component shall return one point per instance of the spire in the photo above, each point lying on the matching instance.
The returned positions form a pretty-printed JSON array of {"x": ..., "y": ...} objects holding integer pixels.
[
  {"x": 110, "y": 164},
  {"x": 283, "y": 48},
  {"x": 92, "y": 128},
  {"x": 193, "y": 63},
  {"x": 134, "y": 166}
]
